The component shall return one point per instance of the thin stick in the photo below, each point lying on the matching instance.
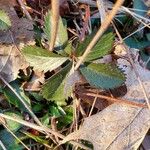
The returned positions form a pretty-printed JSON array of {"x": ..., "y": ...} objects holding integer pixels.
[
  {"x": 100, "y": 32},
  {"x": 95, "y": 99},
  {"x": 15, "y": 136},
  {"x": 41, "y": 129},
  {"x": 135, "y": 32},
  {"x": 135, "y": 70},
  {"x": 54, "y": 23},
  {"x": 102, "y": 10},
  {"x": 117, "y": 100},
  {"x": 24, "y": 9},
  {"x": 2, "y": 145},
  {"x": 22, "y": 101}
]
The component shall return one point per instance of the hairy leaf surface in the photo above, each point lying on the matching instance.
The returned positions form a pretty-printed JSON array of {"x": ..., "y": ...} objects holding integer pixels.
[
  {"x": 5, "y": 22},
  {"x": 54, "y": 89},
  {"x": 103, "y": 76},
  {"x": 62, "y": 36},
  {"x": 42, "y": 59},
  {"x": 101, "y": 48}
]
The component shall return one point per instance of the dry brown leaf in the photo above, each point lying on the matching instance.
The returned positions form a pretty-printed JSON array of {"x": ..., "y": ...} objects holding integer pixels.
[
  {"x": 21, "y": 33},
  {"x": 134, "y": 91},
  {"x": 37, "y": 79},
  {"x": 21, "y": 29},
  {"x": 119, "y": 123},
  {"x": 10, "y": 62},
  {"x": 118, "y": 127}
]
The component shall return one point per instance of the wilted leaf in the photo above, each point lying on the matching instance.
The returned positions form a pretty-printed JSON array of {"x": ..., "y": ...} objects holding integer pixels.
[
  {"x": 134, "y": 91},
  {"x": 13, "y": 99},
  {"x": 21, "y": 28},
  {"x": 11, "y": 59},
  {"x": 35, "y": 82},
  {"x": 62, "y": 36},
  {"x": 103, "y": 76},
  {"x": 42, "y": 59},
  {"x": 117, "y": 127},
  {"x": 10, "y": 62},
  {"x": 12, "y": 125},
  {"x": 5, "y": 22},
  {"x": 54, "y": 89},
  {"x": 102, "y": 47}
]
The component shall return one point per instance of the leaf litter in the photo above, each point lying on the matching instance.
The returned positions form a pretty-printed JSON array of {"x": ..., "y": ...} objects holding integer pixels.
[
  {"x": 119, "y": 123},
  {"x": 115, "y": 123},
  {"x": 11, "y": 41}
]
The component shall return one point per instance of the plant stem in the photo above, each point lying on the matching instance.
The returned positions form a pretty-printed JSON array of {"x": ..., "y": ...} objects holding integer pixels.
[
  {"x": 24, "y": 9},
  {"x": 54, "y": 23},
  {"x": 100, "y": 32}
]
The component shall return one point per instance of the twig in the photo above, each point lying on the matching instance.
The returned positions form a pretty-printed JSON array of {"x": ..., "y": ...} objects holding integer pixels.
[
  {"x": 94, "y": 102},
  {"x": 54, "y": 23},
  {"x": 101, "y": 8},
  {"x": 22, "y": 101},
  {"x": 117, "y": 100},
  {"x": 24, "y": 9},
  {"x": 135, "y": 69},
  {"x": 2, "y": 145},
  {"x": 54, "y": 128},
  {"x": 100, "y": 32},
  {"x": 139, "y": 79},
  {"x": 135, "y": 32},
  {"x": 41, "y": 129},
  {"x": 89, "y": 2}
]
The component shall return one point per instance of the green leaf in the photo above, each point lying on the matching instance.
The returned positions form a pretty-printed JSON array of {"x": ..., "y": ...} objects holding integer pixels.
[
  {"x": 36, "y": 138},
  {"x": 102, "y": 47},
  {"x": 38, "y": 107},
  {"x": 62, "y": 36},
  {"x": 146, "y": 58},
  {"x": 42, "y": 59},
  {"x": 54, "y": 111},
  {"x": 67, "y": 118},
  {"x": 139, "y": 5},
  {"x": 12, "y": 125},
  {"x": 5, "y": 22},
  {"x": 103, "y": 76},
  {"x": 83, "y": 45},
  {"x": 54, "y": 89},
  {"x": 133, "y": 42},
  {"x": 13, "y": 99},
  {"x": 45, "y": 119},
  {"x": 68, "y": 48},
  {"x": 9, "y": 141}
]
